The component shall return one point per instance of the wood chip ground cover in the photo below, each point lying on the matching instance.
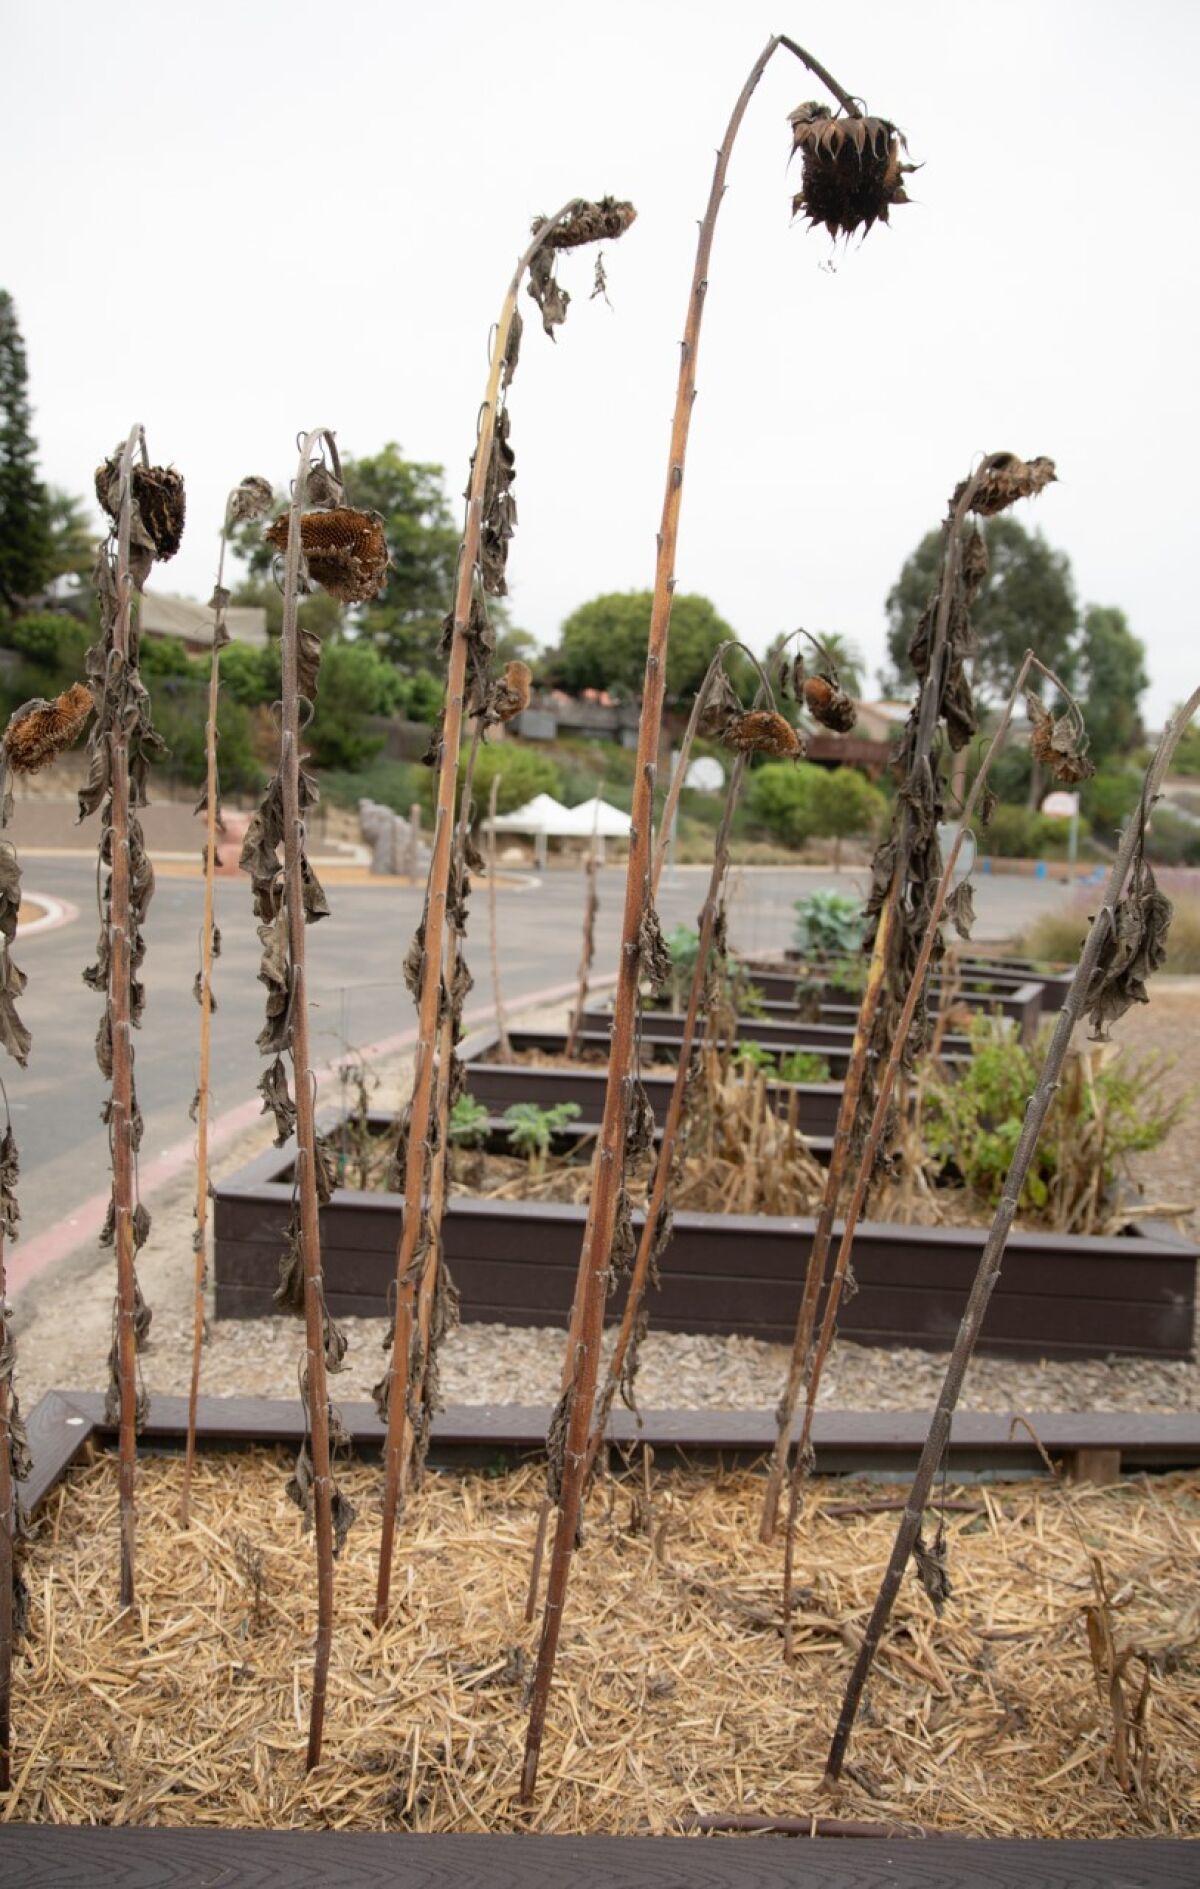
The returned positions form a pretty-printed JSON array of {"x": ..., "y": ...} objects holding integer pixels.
[{"x": 672, "y": 1698}]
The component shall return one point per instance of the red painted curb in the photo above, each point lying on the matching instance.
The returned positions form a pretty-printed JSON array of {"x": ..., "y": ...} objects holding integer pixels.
[{"x": 27, "y": 1260}]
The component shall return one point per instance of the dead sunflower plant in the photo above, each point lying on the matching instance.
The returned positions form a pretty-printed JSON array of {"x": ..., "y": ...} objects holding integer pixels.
[
  {"x": 287, "y": 898},
  {"x": 146, "y": 506},
  {"x": 248, "y": 501},
  {"x": 643, "y": 960},
  {"x": 434, "y": 968}
]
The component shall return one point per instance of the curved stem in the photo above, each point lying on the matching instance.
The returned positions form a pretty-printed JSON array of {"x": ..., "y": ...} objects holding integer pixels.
[
  {"x": 303, "y": 1081},
  {"x": 992, "y": 1257},
  {"x": 592, "y": 1278},
  {"x": 420, "y": 1114},
  {"x": 200, "y": 1235}
]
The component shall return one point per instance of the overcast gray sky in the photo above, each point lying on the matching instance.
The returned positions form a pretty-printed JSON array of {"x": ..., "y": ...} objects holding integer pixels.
[{"x": 233, "y": 221}]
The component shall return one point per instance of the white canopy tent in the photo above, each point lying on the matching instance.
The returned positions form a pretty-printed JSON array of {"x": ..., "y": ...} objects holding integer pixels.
[
  {"x": 543, "y": 816},
  {"x": 547, "y": 819}
]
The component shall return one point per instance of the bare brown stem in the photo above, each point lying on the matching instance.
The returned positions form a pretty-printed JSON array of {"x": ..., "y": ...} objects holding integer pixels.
[
  {"x": 493, "y": 930},
  {"x": 992, "y": 1257},
  {"x": 420, "y": 1114},
  {"x": 317, "y": 1388},
  {"x": 852, "y": 1089},
  {"x": 587, "y": 951},
  {"x": 8, "y": 1568},
  {"x": 592, "y": 1279},
  {"x": 119, "y": 998},
  {"x": 203, "y": 1092}
]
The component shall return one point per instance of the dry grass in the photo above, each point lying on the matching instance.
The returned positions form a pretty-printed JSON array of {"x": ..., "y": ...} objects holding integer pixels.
[
  {"x": 671, "y": 1696},
  {"x": 1058, "y": 936}
]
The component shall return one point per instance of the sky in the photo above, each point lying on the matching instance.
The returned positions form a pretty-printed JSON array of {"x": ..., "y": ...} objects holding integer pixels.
[{"x": 241, "y": 219}]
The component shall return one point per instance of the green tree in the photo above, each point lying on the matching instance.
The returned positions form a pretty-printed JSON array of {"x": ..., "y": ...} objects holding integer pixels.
[
  {"x": 26, "y": 541},
  {"x": 602, "y": 645},
  {"x": 523, "y": 773},
  {"x": 356, "y": 684},
  {"x": 1114, "y": 681},
  {"x": 1027, "y": 602},
  {"x": 779, "y": 798},
  {"x": 73, "y": 536},
  {"x": 843, "y": 804}
]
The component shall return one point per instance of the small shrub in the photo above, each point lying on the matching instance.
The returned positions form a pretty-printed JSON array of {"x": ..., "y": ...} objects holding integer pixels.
[
  {"x": 1057, "y": 938},
  {"x": 803, "y": 1065},
  {"x": 1104, "y": 1110},
  {"x": 779, "y": 800},
  {"x": 468, "y": 1127},
  {"x": 829, "y": 924},
  {"x": 532, "y": 1129}
]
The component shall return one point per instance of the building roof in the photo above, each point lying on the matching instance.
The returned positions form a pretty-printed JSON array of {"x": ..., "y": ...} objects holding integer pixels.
[{"x": 183, "y": 617}]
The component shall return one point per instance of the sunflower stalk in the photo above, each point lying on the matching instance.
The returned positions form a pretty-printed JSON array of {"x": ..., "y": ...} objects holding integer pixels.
[
  {"x": 587, "y": 949},
  {"x": 490, "y": 517},
  {"x": 641, "y": 954},
  {"x": 880, "y": 1119},
  {"x": 145, "y": 505},
  {"x": 493, "y": 929},
  {"x": 943, "y": 692},
  {"x": 246, "y": 501},
  {"x": 286, "y": 900},
  {"x": 1117, "y": 947}
]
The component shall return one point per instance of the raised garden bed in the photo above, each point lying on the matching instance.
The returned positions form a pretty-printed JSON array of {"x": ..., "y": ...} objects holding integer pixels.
[
  {"x": 1023, "y": 1001},
  {"x": 779, "y": 1030},
  {"x": 192, "y": 1719},
  {"x": 499, "y": 1084},
  {"x": 1059, "y": 1296}
]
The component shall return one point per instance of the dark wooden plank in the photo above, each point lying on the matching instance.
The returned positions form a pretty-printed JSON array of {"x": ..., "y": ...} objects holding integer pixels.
[
  {"x": 58, "y": 1430},
  {"x": 65, "y": 1857},
  {"x": 1168, "y": 1436}
]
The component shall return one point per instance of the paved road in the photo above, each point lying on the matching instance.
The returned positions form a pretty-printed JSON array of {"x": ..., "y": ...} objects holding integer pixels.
[{"x": 358, "y": 994}]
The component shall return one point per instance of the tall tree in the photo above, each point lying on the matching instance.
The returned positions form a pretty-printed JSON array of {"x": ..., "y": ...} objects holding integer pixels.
[
  {"x": 602, "y": 645},
  {"x": 26, "y": 559},
  {"x": 1114, "y": 680},
  {"x": 1027, "y": 601}
]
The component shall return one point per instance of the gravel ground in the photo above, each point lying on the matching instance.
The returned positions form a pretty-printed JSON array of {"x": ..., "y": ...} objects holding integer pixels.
[{"x": 63, "y": 1319}]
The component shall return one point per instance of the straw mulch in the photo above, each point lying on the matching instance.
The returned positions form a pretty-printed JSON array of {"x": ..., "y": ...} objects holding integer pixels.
[{"x": 671, "y": 1697}]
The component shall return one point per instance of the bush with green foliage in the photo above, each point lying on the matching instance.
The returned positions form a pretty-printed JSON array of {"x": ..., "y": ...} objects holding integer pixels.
[
  {"x": 829, "y": 924},
  {"x": 1016, "y": 833},
  {"x": 779, "y": 800},
  {"x": 796, "y": 1065},
  {"x": 1100, "y": 1115},
  {"x": 843, "y": 804},
  {"x": 524, "y": 773},
  {"x": 400, "y": 785}
]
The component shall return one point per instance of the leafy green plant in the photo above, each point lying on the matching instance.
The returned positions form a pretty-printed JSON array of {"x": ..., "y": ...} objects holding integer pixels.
[
  {"x": 1105, "y": 1110},
  {"x": 682, "y": 945},
  {"x": 468, "y": 1127},
  {"x": 850, "y": 977},
  {"x": 803, "y": 1065},
  {"x": 754, "y": 1056},
  {"x": 828, "y": 922},
  {"x": 532, "y": 1129}
]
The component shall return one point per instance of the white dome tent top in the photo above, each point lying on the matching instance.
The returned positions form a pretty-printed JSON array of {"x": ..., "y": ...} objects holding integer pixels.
[
  {"x": 601, "y": 818},
  {"x": 547, "y": 819}
]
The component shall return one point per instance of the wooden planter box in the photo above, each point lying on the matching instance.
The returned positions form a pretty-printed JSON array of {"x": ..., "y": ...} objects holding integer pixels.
[
  {"x": 780, "y": 1030},
  {"x": 498, "y": 1085},
  {"x": 514, "y": 1262},
  {"x": 52, "y": 1856},
  {"x": 1022, "y": 1000}
]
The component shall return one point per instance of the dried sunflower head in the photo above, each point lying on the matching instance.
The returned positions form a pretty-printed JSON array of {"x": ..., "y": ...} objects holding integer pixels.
[
  {"x": 1059, "y": 741},
  {"x": 590, "y": 223},
  {"x": 1006, "y": 480},
  {"x": 158, "y": 496},
  {"x": 585, "y": 223},
  {"x": 828, "y": 703},
  {"x": 41, "y": 730},
  {"x": 510, "y": 693},
  {"x": 853, "y": 172},
  {"x": 722, "y": 705},
  {"x": 250, "y": 500},
  {"x": 762, "y": 731},
  {"x": 345, "y": 551}
]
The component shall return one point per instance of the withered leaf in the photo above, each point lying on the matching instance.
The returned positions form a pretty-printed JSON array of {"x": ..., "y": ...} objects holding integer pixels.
[
  {"x": 960, "y": 908},
  {"x": 1134, "y": 947}
]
